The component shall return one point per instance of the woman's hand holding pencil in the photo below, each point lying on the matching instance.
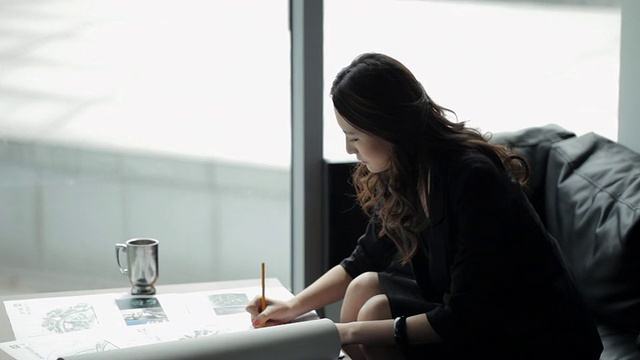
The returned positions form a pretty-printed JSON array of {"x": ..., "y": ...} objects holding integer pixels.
[{"x": 268, "y": 312}]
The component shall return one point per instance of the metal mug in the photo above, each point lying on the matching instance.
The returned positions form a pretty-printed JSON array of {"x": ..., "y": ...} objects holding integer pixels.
[{"x": 142, "y": 264}]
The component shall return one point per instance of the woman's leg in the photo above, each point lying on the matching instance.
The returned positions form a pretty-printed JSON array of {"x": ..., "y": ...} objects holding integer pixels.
[
  {"x": 364, "y": 300},
  {"x": 377, "y": 308},
  {"x": 359, "y": 291}
]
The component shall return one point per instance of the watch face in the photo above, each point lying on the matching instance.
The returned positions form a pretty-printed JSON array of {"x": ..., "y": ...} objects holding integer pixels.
[{"x": 400, "y": 330}]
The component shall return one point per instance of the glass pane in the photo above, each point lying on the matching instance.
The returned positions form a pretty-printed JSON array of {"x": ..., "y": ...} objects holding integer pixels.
[
  {"x": 500, "y": 65},
  {"x": 163, "y": 119}
]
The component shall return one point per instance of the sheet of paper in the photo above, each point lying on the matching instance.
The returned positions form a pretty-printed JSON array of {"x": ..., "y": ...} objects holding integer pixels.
[
  {"x": 50, "y": 328},
  {"x": 310, "y": 340}
]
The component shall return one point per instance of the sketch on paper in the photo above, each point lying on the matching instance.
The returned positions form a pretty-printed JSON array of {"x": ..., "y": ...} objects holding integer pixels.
[
  {"x": 55, "y": 346},
  {"x": 74, "y": 318},
  {"x": 52, "y": 316},
  {"x": 48, "y": 328},
  {"x": 229, "y": 303},
  {"x": 139, "y": 311},
  {"x": 198, "y": 333},
  {"x": 82, "y": 348}
]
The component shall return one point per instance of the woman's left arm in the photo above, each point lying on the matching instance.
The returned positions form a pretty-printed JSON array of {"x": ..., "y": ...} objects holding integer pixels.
[{"x": 382, "y": 332}]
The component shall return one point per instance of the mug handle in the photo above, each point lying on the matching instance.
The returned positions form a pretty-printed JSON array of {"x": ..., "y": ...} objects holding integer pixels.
[{"x": 122, "y": 247}]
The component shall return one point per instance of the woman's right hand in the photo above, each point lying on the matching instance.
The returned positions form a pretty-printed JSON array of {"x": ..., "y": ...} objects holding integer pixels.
[
  {"x": 328, "y": 289},
  {"x": 277, "y": 312}
]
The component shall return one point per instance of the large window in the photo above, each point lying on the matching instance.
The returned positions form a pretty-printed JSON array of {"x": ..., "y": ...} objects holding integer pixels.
[
  {"x": 500, "y": 65},
  {"x": 124, "y": 119}
]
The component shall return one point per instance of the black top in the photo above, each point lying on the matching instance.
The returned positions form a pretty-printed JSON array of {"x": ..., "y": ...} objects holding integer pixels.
[{"x": 500, "y": 280}]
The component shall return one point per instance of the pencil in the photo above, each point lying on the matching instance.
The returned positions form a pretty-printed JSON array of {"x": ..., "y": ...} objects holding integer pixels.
[{"x": 264, "y": 300}]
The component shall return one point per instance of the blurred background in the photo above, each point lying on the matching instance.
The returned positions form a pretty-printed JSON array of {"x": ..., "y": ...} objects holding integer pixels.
[{"x": 172, "y": 120}]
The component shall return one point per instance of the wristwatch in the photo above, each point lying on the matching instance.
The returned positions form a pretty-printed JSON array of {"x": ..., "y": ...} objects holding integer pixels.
[{"x": 400, "y": 332}]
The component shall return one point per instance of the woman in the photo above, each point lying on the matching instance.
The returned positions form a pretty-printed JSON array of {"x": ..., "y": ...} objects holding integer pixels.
[{"x": 455, "y": 263}]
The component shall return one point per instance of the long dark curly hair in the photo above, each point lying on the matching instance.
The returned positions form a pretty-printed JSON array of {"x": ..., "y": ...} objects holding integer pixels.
[{"x": 380, "y": 96}]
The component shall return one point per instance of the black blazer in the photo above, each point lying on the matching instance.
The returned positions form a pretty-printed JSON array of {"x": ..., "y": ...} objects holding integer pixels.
[{"x": 499, "y": 278}]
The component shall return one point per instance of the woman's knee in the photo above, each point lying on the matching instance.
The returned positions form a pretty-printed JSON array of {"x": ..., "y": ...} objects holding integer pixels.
[
  {"x": 365, "y": 285},
  {"x": 376, "y": 308},
  {"x": 359, "y": 291}
]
